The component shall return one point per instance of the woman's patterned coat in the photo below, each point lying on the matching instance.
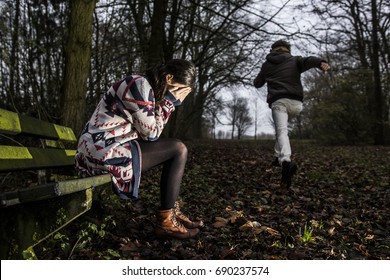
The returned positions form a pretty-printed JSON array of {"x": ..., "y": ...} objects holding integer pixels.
[{"x": 108, "y": 142}]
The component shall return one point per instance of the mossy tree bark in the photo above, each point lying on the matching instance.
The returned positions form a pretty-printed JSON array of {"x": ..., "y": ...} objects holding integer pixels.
[{"x": 77, "y": 63}]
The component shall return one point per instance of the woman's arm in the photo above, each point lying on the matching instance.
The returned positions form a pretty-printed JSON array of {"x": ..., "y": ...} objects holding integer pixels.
[{"x": 149, "y": 118}]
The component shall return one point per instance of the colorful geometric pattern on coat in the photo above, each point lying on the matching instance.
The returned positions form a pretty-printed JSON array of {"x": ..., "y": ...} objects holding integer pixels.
[{"x": 108, "y": 142}]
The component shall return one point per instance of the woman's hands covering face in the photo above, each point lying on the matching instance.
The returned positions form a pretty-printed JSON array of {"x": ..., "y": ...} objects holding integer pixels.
[{"x": 179, "y": 91}]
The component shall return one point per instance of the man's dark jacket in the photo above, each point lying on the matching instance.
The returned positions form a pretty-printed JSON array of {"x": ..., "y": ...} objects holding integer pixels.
[{"x": 282, "y": 73}]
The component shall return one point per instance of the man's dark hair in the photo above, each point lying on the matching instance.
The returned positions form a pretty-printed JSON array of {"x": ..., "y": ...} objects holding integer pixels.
[{"x": 280, "y": 44}]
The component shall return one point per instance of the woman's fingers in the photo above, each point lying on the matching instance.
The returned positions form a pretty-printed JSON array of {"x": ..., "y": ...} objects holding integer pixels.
[{"x": 180, "y": 93}]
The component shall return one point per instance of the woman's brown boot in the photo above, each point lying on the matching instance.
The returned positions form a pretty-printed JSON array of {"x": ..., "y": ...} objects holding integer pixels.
[
  {"x": 167, "y": 226},
  {"x": 184, "y": 219}
]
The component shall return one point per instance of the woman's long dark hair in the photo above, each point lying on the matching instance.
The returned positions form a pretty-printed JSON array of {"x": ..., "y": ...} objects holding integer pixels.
[{"x": 183, "y": 72}]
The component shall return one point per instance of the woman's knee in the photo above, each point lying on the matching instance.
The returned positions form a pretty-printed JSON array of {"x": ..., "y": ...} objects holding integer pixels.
[{"x": 180, "y": 148}]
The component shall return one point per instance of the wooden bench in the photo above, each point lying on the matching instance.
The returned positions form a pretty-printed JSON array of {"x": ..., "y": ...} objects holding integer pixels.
[{"x": 40, "y": 191}]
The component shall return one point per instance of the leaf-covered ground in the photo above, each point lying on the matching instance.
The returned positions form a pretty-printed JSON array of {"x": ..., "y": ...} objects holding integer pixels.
[{"x": 337, "y": 208}]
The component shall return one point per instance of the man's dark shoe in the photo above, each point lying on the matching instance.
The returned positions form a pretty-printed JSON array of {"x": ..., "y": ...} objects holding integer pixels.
[
  {"x": 289, "y": 168},
  {"x": 275, "y": 162}
]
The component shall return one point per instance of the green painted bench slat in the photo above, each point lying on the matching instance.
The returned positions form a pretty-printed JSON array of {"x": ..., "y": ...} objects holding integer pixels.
[
  {"x": 14, "y": 158},
  {"x": 52, "y": 190},
  {"x": 70, "y": 186},
  {"x": 13, "y": 123}
]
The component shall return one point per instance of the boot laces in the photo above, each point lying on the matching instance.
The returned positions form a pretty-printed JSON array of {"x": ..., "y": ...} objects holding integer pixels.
[
  {"x": 178, "y": 212},
  {"x": 177, "y": 209},
  {"x": 174, "y": 221}
]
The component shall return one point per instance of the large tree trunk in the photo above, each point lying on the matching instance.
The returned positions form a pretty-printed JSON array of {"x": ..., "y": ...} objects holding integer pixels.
[
  {"x": 157, "y": 35},
  {"x": 77, "y": 54}
]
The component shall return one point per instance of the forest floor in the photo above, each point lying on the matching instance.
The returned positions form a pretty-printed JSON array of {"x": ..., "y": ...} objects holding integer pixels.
[{"x": 337, "y": 208}]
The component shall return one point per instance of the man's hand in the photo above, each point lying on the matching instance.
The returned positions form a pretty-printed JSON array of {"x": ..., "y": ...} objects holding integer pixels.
[{"x": 324, "y": 66}]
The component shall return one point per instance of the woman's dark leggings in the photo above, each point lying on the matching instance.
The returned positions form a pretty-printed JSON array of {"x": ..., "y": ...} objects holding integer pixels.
[{"x": 172, "y": 154}]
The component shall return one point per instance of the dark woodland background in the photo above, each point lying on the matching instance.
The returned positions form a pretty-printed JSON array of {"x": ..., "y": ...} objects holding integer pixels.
[{"x": 58, "y": 57}]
